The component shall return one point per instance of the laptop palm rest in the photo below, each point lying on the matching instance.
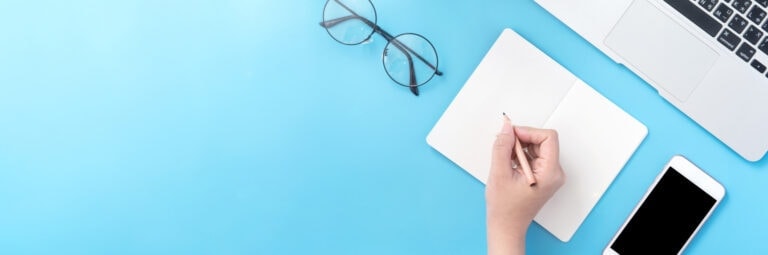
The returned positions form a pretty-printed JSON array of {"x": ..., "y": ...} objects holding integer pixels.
[{"x": 642, "y": 44}]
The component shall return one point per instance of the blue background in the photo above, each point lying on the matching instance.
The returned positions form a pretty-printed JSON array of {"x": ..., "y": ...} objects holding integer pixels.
[{"x": 241, "y": 127}]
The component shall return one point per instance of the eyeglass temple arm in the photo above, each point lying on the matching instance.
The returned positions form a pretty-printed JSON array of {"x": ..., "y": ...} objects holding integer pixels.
[
  {"x": 336, "y": 21},
  {"x": 413, "y": 85}
]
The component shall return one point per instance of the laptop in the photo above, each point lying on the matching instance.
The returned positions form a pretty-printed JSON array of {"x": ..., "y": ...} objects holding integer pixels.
[{"x": 708, "y": 58}]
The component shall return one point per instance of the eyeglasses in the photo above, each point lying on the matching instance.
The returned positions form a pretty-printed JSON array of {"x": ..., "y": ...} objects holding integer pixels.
[{"x": 353, "y": 22}]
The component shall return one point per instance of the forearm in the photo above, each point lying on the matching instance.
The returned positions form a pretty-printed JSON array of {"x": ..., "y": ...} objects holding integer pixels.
[{"x": 506, "y": 240}]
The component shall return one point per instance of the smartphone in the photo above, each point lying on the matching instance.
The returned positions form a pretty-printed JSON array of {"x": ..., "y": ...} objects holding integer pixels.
[{"x": 673, "y": 209}]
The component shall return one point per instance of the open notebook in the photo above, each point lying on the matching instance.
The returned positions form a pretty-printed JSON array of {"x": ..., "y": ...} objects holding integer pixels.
[{"x": 596, "y": 136}]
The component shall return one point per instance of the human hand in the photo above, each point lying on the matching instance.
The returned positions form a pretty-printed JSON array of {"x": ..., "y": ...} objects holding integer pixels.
[{"x": 511, "y": 204}]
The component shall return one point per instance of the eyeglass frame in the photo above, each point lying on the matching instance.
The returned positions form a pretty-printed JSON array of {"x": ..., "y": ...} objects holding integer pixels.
[{"x": 407, "y": 51}]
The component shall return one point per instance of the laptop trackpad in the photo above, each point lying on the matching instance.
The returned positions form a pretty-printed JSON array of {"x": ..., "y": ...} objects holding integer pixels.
[{"x": 659, "y": 48}]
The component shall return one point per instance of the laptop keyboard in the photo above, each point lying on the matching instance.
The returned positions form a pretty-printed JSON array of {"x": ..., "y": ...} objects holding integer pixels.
[{"x": 739, "y": 25}]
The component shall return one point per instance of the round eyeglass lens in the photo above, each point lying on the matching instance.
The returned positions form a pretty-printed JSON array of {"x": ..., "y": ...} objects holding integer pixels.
[
  {"x": 349, "y": 21},
  {"x": 410, "y": 59}
]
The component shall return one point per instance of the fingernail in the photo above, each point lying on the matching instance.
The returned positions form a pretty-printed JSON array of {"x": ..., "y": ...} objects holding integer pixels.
[{"x": 506, "y": 128}]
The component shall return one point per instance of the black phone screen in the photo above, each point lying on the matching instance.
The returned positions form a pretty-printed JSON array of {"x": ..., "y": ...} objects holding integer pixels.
[{"x": 666, "y": 219}]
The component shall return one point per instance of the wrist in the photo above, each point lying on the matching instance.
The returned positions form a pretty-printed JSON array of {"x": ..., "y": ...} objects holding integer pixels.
[{"x": 508, "y": 224}]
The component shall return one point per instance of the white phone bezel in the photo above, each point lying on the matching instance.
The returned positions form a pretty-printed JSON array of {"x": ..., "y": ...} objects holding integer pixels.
[{"x": 690, "y": 172}]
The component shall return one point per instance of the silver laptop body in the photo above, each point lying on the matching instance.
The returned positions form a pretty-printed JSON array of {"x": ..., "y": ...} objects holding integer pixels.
[{"x": 708, "y": 58}]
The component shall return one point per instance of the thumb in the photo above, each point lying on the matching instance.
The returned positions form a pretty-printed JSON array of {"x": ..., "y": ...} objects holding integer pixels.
[{"x": 501, "y": 163}]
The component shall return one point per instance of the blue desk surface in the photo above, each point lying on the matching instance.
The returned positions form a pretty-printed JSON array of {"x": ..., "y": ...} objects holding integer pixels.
[{"x": 241, "y": 127}]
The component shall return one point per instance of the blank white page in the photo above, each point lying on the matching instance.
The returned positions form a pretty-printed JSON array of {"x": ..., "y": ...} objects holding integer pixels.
[{"x": 596, "y": 139}]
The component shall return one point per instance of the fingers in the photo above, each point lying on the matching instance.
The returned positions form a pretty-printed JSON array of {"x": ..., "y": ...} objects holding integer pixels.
[
  {"x": 545, "y": 141},
  {"x": 501, "y": 163}
]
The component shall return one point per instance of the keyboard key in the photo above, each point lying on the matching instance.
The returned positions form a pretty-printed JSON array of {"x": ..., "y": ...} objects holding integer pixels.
[
  {"x": 764, "y": 3},
  {"x": 756, "y": 15},
  {"x": 708, "y": 4},
  {"x": 758, "y": 66},
  {"x": 696, "y": 15},
  {"x": 765, "y": 27},
  {"x": 741, "y": 5},
  {"x": 763, "y": 45},
  {"x": 738, "y": 24},
  {"x": 723, "y": 12},
  {"x": 729, "y": 39},
  {"x": 753, "y": 34},
  {"x": 745, "y": 52}
]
